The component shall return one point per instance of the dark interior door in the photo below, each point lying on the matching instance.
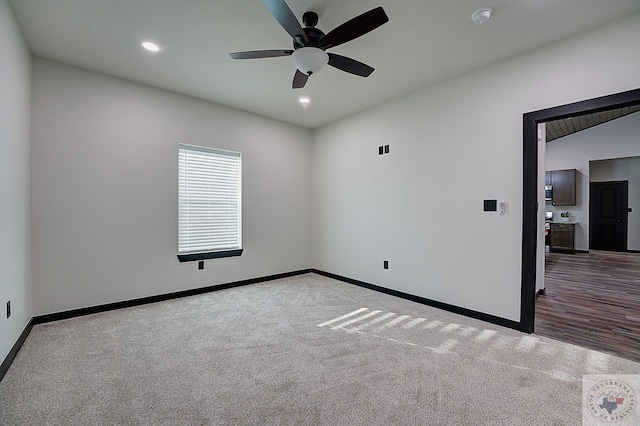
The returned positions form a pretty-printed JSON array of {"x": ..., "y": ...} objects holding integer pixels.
[{"x": 608, "y": 215}]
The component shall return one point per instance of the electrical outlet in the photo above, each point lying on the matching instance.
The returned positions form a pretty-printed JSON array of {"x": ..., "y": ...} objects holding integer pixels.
[
  {"x": 201, "y": 264},
  {"x": 385, "y": 264},
  {"x": 8, "y": 308}
]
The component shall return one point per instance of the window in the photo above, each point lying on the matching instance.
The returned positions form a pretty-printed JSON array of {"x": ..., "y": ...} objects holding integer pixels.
[{"x": 209, "y": 203}]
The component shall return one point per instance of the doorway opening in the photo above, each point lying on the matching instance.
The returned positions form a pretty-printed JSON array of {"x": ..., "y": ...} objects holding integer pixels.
[{"x": 530, "y": 187}]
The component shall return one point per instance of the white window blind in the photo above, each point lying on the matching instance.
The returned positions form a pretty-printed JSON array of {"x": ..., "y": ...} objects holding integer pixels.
[{"x": 209, "y": 200}]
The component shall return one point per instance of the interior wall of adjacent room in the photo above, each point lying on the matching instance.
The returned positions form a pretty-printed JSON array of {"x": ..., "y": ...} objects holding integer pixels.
[
  {"x": 622, "y": 169},
  {"x": 105, "y": 189},
  {"x": 613, "y": 139},
  {"x": 452, "y": 146},
  {"x": 15, "y": 110}
]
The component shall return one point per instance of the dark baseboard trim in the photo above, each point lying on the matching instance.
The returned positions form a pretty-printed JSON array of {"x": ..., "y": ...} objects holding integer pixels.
[
  {"x": 633, "y": 251},
  {"x": 440, "y": 305},
  {"x": 582, "y": 251},
  {"x": 57, "y": 316},
  {"x": 4, "y": 367}
]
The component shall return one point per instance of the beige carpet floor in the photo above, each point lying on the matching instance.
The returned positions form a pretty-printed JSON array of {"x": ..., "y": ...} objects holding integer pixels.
[{"x": 306, "y": 350}]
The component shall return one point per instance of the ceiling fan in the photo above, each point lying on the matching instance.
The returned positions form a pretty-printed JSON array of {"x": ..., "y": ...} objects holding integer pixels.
[{"x": 309, "y": 43}]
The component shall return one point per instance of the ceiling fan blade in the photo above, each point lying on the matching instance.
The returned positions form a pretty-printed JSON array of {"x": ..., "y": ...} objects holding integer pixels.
[
  {"x": 256, "y": 54},
  {"x": 354, "y": 28},
  {"x": 350, "y": 65},
  {"x": 286, "y": 18},
  {"x": 299, "y": 80}
]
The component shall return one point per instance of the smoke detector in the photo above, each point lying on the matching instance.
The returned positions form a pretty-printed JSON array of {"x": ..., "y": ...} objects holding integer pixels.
[{"x": 481, "y": 16}]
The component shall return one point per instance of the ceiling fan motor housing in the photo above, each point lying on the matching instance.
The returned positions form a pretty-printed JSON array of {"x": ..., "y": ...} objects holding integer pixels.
[{"x": 314, "y": 35}]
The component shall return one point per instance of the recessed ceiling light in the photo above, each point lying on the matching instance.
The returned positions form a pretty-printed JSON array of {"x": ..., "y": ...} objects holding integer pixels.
[
  {"x": 150, "y": 46},
  {"x": 304, "y": 100}
]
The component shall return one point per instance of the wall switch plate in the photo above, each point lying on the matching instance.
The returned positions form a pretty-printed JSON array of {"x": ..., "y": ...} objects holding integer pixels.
[
  {"x": 201, "y": 264},
  {"x": 380, "y": 150},
  {"x": 385, "y": 264},
  {"x": 8, "y": 308},
  {"x": 490, "y": 205},
  {"x": 386, "y": 149}
]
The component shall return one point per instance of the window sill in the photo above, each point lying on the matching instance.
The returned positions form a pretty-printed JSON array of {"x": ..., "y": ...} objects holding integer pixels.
[{"x": 192, "y": 257}]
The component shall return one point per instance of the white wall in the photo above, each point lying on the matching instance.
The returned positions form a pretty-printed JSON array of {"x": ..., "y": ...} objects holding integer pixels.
[
  {"x": 623, "y": 169},
  {"x": 452, "y": 145},
  {"x": 15, "y": 108},
  {"x": 614, "y": 139},
  {"x": 105, "y": 158}
]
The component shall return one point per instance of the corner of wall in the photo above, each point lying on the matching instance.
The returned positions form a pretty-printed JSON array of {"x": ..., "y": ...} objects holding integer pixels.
[{"x": 15, "y": 215}]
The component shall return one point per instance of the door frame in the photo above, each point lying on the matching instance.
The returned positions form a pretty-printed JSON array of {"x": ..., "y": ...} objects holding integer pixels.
[{"x": 530, "y": 166}]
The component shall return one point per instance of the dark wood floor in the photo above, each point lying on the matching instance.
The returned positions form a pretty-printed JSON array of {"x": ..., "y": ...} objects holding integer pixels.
[{"x": 592, "y": 300}]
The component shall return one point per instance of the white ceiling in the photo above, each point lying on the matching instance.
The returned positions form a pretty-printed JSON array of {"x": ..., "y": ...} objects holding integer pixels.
[{"x": 424, "y": 42}]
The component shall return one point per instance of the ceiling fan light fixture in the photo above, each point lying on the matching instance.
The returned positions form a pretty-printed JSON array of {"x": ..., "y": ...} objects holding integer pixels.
[
  {"x": 309, "y": 43},
  {"x": 310, "y": 60},
  {"x": 481, "y": 16}
]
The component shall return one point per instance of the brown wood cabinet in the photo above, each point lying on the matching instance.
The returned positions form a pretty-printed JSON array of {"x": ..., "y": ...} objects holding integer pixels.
[
  {"x": 562, "y": 237},
  {"x": 564, "y": 186}
]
